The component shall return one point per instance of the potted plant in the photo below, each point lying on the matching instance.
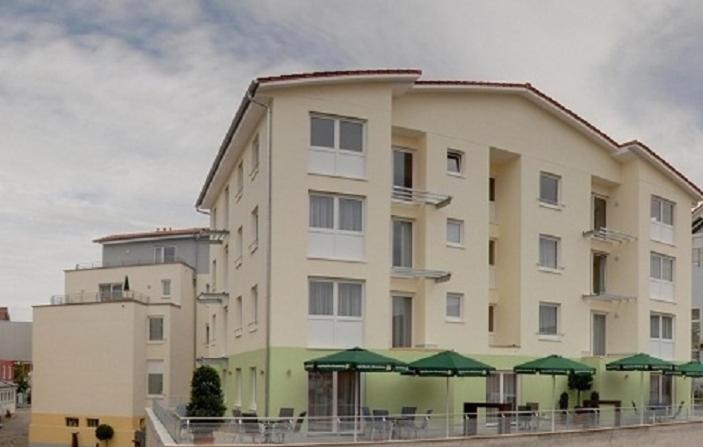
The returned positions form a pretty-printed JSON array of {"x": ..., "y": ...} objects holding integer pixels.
[
  {"x": 104, "y": 432},
  {"x": 206, "y": 400}
]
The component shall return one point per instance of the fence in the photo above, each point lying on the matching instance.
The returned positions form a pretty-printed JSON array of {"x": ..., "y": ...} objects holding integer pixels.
[{"x": 377, "y": 427}]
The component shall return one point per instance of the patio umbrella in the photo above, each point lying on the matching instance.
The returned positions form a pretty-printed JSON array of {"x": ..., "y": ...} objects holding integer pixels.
[
  {"x": 553, "y": 365},
  {"x": 641, "y": 362},
  {"x": 691, "y": 370},
  {"x": 448, "y": 364},
  {"x": 125, "y": 286},
  {"x": 356, "y": 360}
]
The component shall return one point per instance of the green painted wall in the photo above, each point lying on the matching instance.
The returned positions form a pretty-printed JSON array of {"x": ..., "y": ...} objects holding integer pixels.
[{"x": 391, "y": 391}]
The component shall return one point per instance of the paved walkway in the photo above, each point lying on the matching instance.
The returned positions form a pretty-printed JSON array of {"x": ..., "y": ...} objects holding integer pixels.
[{"x": 15, "y": 431}]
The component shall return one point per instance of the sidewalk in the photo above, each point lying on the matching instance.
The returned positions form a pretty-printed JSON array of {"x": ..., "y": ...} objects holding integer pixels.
[{"x": 15, "y": 431}]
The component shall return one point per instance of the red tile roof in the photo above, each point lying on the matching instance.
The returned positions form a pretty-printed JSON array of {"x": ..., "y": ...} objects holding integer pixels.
[{"x": 165, "y": 232}]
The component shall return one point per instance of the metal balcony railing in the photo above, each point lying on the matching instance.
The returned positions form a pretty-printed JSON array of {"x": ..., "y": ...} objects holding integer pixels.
[
  {"x": 410, "y": 272},
  {"x": 609, "y": 235},
  {"x": 97, "y": 297},
  {"x": 212, "y": 297},
  {"x": 419, "y": 196},
  {"x": 126, "y": 263},
  {"x": 607, "y": 296}
]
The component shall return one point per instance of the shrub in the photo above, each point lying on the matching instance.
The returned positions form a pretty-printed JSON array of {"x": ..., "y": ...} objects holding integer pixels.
[
  {"x": 206, "y": 398},
  {"x": 564, "y": 401},
  {"x": 104, "y": 432}
]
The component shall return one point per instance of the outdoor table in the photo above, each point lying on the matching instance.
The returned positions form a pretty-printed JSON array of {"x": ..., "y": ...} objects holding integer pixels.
[{"x": 471, "y": 416}]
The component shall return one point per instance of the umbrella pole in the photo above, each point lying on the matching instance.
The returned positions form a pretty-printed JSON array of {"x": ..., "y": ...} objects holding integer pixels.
[
  {"x": 690, "y": 410},
  {"x": 641, "y": 397},
  {"x": 356, "y": 402},
  {"x": 554, "y": 389},
  {"x": 446, "y": 409}
]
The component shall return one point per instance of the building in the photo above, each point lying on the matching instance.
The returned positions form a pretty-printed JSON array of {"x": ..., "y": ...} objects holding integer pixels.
[
  {"x": 15, "y": 346},
  {"x": 376, "y": 209},
  {"x": 697, "y": 284},
  {"x": 121, "y": 335},
  {"x": 8, "y": 398}
]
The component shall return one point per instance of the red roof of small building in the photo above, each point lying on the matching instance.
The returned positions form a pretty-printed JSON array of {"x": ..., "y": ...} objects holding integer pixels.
[
  {"x": 159, "y": 232},
  {"x": 4, "y": 314}
]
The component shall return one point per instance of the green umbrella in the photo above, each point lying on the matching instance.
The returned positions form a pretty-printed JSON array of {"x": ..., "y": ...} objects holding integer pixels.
[
  {"x": 448, "y": 364},
  {"x": 691, "y": 370},
  {"x": 357, "y": 360},
  {"x": 553, "y": 365},
  {"x": 641, "y": 362}
]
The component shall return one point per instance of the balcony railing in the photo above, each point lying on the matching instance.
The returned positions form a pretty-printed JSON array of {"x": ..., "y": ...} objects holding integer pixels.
[
  {"x": 126, "y": 263},
  {"x": 606, "y": 296},
  {"x": 410, "y": 272},
  {"x": 97, "y": 297},
  {"x": 212, "y": 297},
  {"x": 608, "y": 235},
  {"x": 419, "y": 196}
]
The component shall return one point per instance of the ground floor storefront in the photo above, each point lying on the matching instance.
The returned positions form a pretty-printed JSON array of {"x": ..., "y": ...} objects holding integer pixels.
[{"x": 249, "y": 386}]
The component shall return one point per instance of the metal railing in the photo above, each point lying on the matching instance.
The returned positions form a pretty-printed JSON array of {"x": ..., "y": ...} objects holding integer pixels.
[
  {"x": 610, "y": 235},
  {"x": 419, "y": 196},
  {"x": 377, "y": 427},
  {"x": 125, "y": 263},
  {"x": 97, "y": 297}
]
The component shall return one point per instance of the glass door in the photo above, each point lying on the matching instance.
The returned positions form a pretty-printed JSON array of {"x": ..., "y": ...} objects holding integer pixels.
[
  {"x": 402, "y": 168},
  {"x": 331, "y": 396},
  {"x": 599, "y": 271},
  {"x": 598, "y": 329},
  {"x": 402, "y": 321}
]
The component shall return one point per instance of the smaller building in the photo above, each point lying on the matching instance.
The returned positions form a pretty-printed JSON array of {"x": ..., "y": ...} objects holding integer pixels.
[
  {"x": 8, "y": 397},
  {"x": 16, "y": 346}
]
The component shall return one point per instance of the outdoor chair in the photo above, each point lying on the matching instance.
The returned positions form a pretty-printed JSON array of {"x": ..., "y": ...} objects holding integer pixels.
[
  {"x": 424, "y": 424},
  {"x": 406, "y": 420},
  {"x": 284, "y": 424},
  {"x": 252, "y": 428},
  {"x": 678, "y": 411},
  {"x": 366, "y": 422},
  {"x": 382, "y": 424}
]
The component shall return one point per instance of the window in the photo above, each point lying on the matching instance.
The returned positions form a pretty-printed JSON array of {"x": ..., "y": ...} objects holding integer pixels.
[
  {"x": 239, "y": 247},
  {"x": 491, "y": 252},
  {"x": 155, "y": 377},
  {"x": 491, "y": 189},
  {"x": 255, "y": 305},
  {"x": 164, "y": 255},
  {"x": 110, "y": 291},
  {"x": 661, "y": 276},
  {"x": 402, "y": 321},
  {"x": 454, "y": 161},
  {"x": 549, "y": 252},
  {"x": 548, "y": 319},
  {"x": 661, "y": 228},
  {"x": 600, "y": 207},
  {"x": 255, "y": 154},
  {"x": 335, "y": 312},
  {"x": 92, "y": 422},
  {"x": 213, "y": 275},
  {"x": 336, "y": 146},
  {"x": 207, "y": 333},
  {"x": 165, "y": 287},
  {"x": 252, "y": 387},
  {"x": 549, "y": 188},
  {"x": 402, "y": 168},
  {"x": 213, "y": 325},
  {"x": 72, "y": 422},
  {"x": 402, "y": 243},
  {"x": 254, "y": 229},
  {"x": 661, "y": 335},
  {"x": 454, "y": 306},
  {"x": 240, "y": 315},
  {"x": 600, "y": 263},
  {"x": 491, "y": 318},
  {"x": 455, "y": 232},
  {"x": 156, "y": 328},
  {"x": 336, "y": 226},
  {"x": 240, "y": 178},
  {"x": 660, "y": 389},
  {"x": 238, "y": 387}
]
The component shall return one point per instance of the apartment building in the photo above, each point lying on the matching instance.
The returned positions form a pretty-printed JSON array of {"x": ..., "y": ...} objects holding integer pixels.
[
  {"x": 16, "y": 345},
  {"x": 121, "y": 335},
  {"x": 376, "y": 209}
]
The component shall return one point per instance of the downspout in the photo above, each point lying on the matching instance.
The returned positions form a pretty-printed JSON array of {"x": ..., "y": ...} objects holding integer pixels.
[{"x": 267, "y": 367}]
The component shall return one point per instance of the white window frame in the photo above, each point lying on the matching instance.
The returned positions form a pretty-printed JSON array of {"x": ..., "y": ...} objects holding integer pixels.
[
  {"x": 453, "y": 318},
  {"x": 254, "y": 310},
  {"x": 413, "y": 245},
  {"x": 461, "y": 155},
  {"x": 254, "y": 217},
  {"x": 335, "y": 299},
  {"x": 544, "y": 201},
  {"x": 549, "y": 336},
  {"x": 336, "y": 234},
  {"x": 660, "y": 204},
  {"x": 160, "y": 253},
  {"x": 460, "y": 223},
  {"x": 546, "y": 268},
  {"x": 166, "y": 289},
  {"x": 150, "y": 365},
  {"x": 659, "y": 287},
  {"x": 163, "y": 329},
  {"x": 336, "y": 151},
  {"x": 659, "y": 230},
  {"x": 659, "y": 340},
  {"x": 238, "y": 388},
  {"x": 239, "y": 247}
]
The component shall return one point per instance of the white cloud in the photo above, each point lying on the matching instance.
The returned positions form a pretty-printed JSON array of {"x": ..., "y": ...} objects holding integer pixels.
[{"x": 113, "y": 111}]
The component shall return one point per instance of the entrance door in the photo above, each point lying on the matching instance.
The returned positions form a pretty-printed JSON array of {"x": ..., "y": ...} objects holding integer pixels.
[
  {"x": 599, "y": 213},
  {"x": 331, "y": 396},
  {"x": 598, "y": 328},
  {"x": 402, "y": 321},
  {"x": 660, "y": 389},
  {"x": 502, "y": 388}
]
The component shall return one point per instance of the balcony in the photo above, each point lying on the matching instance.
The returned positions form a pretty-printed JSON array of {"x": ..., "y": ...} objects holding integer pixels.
[
  {"x": 607, "y": 296},
  {"x": 608, "y": 235},
  {"x": 419, "y": 196},
  {"x": 410, "y": 272},
  {"x": 212, "y": 297},
  {"x": 96, "y": 297}
]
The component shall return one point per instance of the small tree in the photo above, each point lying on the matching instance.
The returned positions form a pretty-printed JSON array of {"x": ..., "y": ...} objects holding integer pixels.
[
  {"x": 580, "y": 382},
  {"x": 19, "y": 371},
  {"x": 564, "y": 401},
  {"x": 206, "y": 398},
  {"x": 104, "y": 432}
]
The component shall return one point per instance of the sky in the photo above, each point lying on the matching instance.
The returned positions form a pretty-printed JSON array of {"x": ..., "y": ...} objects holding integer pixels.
[{"x": 111, "y": 112}]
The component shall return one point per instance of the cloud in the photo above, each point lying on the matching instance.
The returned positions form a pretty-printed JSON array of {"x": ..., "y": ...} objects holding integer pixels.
[{"x": 113, "y": 111}]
